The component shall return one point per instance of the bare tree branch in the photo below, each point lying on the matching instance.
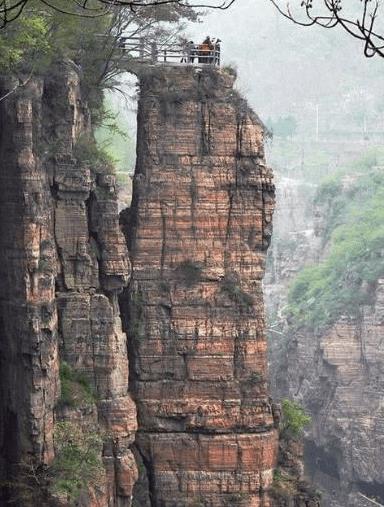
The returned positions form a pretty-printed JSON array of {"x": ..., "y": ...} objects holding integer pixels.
[
  {"x": 329, "y": 14},
  {"x": 10, "y": 10},
  {"x": 20, "y": 84}
]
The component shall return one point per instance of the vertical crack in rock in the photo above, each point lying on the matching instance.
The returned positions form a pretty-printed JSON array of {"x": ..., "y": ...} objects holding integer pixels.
[
  {"x": 197, "y": 230},
  {"x": 193, "y": 311}
]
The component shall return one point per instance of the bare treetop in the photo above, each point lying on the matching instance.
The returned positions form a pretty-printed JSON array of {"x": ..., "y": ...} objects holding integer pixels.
[
  {"x": 12, "y": 9},
  {"x": 332, "y": 13}
]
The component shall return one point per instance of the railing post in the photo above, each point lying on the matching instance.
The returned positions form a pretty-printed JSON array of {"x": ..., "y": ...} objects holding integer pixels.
[
  {"x": 218, "y": 55},
  {"x": 141, "y": 48},
  {"x": 154, "y": 52}
]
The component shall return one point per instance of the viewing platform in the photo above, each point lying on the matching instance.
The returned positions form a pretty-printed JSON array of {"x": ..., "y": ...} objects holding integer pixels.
[{"x": 152, "y": 53}]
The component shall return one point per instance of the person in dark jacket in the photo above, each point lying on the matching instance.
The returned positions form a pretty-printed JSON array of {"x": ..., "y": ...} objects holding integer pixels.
[
  {"x": 191, "y": 48},
  {"x": 217, "y": 52}
]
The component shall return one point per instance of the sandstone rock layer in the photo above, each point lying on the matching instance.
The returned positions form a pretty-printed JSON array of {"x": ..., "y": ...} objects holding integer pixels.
[
  {"x": 198, "y": 230},
  {"x": 63, "y": 260},
  {"x": 335, "y": 372}
]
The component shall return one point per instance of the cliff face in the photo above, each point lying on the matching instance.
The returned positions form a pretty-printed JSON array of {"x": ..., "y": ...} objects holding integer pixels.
[
  {"x": 198, "y": 231},
  {"x": 341, "y": 383},
  {"x": 295, "y": 243},
  {"x": 335, "y": 372},
  {"x": 190, "y": 297},
  {"x": 63, "y": 261}
]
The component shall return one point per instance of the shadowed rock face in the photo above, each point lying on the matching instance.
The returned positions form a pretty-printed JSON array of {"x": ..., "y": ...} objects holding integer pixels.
[
  {"x": 63, "y": 261},
  {"x": 336, "y": 373},
  {"x": 28, "y": 319},
  {"x": 198, "y": 231},
  {"x": 343, "y": 371}
]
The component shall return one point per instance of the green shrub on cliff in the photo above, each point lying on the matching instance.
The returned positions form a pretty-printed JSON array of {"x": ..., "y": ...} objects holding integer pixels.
[
  {"x": 78, "y": 460},
  {"x": 231, "y": 287},
  {"x": 87, "y": 151},
  {"x": 190, "y": 272},
  {"x": 23, "y": 40},
  {"x": 41, "y": 36},
  {"x": 75, "y": 388},
  {"x": 48, "y": 32},
  {"x": 294, "y": 419},
  {"x": 343, "y": 282}
]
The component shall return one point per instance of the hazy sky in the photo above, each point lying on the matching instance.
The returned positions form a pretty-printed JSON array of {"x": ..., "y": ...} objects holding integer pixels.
[
  {"x": 281, "y": 64},
  {"x": 286, "y": 69}
]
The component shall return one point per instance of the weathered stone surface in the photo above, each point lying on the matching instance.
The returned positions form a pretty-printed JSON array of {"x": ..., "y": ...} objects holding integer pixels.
[
  {"x": 198, "y": 229},
  {"x": 63, "y": 260},
  {"x": 104, "y": 226},
  {"x": 289, "y": 489},
  {"x": 28, "y": 266},
  {"x": 335, "y": 373},
  {"x": 343, "y": 387}
]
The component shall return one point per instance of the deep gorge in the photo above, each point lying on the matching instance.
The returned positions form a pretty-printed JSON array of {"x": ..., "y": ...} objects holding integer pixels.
[
  {"x": 325, "y": 351},
  {"x": 171, "y": 407}
]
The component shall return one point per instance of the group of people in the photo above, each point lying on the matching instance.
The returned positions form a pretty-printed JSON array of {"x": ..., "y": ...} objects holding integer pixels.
[{"x": 206, "y": 52}]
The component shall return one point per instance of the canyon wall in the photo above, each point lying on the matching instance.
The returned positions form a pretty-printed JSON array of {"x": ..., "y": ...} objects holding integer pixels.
[
  {"x": 341, "y": 384},
  {"x": 63, "y": 261},
  {"x": 295, "y": 243},
  {"x": 335, "y": 371},
  {"x": 201, "y": 429}
]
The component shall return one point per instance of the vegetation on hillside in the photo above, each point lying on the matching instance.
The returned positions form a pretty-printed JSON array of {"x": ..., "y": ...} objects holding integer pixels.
[
  {"x": 344, "y": 281},
  {"x": 43, "y": 36}
]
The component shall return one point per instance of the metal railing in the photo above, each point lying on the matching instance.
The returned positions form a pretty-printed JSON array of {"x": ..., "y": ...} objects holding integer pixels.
[
  {"x": 175, "y": 54},
  {"x": 372, "y": 501}
]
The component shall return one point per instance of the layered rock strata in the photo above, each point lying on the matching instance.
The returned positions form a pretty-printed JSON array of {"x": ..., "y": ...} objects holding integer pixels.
[
  {"x": 341, "y": 384},
  {"x": 336, "y": 372},
  {"x": 289, "y": 489},
  {"x": 198, "y": 230},
  {"x": 63, "y": 260}
]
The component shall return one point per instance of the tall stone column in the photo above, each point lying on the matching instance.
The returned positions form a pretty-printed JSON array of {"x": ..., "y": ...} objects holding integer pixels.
[{"x": 198, "y": 230}]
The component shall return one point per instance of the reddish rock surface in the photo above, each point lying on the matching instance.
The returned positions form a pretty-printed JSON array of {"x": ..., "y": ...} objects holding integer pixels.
[
  {"x": 63, "y": 260},
  {"x": 198, "y": 230}
]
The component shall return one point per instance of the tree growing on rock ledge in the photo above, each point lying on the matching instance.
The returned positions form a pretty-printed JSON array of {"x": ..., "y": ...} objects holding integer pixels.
[
  {"x": 294, "y": 419},
  {"x": 38, "y": 33}
]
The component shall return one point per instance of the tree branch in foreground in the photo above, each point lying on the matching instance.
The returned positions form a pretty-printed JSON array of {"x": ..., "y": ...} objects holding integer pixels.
[
  {"x": 330, "y": 13},
  {"x": 10, "y": 10}
]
